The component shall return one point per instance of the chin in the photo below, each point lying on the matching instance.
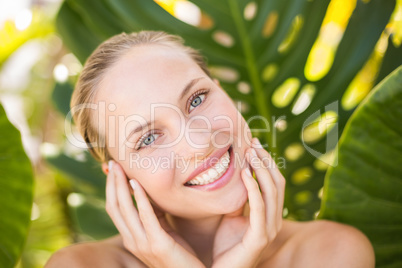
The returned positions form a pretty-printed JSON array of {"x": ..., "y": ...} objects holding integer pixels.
[{"x": 235, "y": 201}]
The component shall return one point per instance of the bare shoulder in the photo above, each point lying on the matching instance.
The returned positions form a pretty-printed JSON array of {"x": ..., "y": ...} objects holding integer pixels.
[
  {"x": 105, "y": 253},
  {"x": 321, "y": 243},
  {"x": 335, "y": 244}
]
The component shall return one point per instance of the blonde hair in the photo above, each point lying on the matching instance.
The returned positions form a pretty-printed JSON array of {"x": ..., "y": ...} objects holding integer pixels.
[{"x": 104, "y": 56}]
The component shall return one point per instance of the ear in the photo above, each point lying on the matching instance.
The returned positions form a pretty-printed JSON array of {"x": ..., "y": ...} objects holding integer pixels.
[{"x": 105, "y": 168}]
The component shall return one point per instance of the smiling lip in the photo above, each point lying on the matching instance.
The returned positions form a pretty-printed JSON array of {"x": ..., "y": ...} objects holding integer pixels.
[
  {"x": 223, "y": 180},
  {"x": 208, "y": 163}
]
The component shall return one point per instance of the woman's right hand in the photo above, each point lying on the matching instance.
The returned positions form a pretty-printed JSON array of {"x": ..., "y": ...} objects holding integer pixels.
[
  {"x": 145, "y": 232},
  {"x": 241, "y": 241}
]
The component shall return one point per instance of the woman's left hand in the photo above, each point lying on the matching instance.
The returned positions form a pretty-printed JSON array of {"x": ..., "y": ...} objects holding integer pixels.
[{"x": 240, "y": 240}]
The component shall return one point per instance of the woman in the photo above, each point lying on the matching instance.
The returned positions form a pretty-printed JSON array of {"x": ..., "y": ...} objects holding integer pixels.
[{"x": 174, "y": 139}]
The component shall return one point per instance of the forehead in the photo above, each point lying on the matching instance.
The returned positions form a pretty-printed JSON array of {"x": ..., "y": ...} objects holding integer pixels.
[{"x": 148, "y": 74}]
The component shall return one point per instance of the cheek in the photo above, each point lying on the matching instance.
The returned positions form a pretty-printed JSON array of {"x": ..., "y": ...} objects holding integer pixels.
[
  {"x": 245, "y": 131},
  {"x": 227, "y": 118},
  {"x": 155, "y": 173}
]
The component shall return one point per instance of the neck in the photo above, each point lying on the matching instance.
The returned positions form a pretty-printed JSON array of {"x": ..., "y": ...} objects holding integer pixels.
[{"x": 198, "y": 233}]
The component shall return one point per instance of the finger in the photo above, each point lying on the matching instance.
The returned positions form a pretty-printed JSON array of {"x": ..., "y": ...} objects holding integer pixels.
[
  {"x": 277, "y": 176},
  {"x": 257, "y": 227},
  {"x": 127, "y": 208},
  {"x": 148, "y": 217},
  {"x": 257, "y": 207},
  {"x": 267, "y": 160},
  {"x": 112, "y": 206},
  {"x": 268, "y": 188}
]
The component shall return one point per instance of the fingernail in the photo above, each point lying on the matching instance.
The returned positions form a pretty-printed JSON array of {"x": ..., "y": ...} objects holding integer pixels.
[
  {"x": 132, "y": 183},
  {"x": 253, "y": 152},
  {"x": 248, "y": 172},
  {"x": 110, "y": 164}
]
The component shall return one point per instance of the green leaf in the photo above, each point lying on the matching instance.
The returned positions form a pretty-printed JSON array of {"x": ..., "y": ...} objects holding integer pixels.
[
  {"x": 86, "y": 173},
  {"x": 61, "y": 97},
  {"x": 392, "y": 60},
  {"x": 16, "y": 193},
  {"x": 93, "y": 210},
  {"x": 253, "y": 54},
  {"x": 75, "y": 34},
  {"x": 365, "y": 188}
]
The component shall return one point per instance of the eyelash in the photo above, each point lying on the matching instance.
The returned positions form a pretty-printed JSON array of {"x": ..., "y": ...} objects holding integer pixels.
[
  {"x": 143, "y": 138},
  {"x": 190, "y": 100},
  {"x": 195, "y": 95}
]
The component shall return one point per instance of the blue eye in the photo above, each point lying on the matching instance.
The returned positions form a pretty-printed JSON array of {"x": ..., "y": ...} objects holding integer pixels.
[
  {"x": 197, "y": 101},
  {"x": 147, "y": 140}
]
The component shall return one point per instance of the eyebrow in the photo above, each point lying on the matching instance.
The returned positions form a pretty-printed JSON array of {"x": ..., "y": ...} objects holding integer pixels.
[
  {"x": 138, "y": 128},
  {"x": 182, "y": 95},
  {"x": 189, "y": 86}
]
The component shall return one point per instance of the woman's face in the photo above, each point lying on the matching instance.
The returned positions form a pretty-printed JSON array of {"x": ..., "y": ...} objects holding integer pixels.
[{"x": 193, "y": 123}]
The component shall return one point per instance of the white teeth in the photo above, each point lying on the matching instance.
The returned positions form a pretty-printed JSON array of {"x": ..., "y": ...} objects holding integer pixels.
[
  {"x": 219, "y": 168},
  {"x": 225, "y": 162},
  {"x": 213, "y": 173}
]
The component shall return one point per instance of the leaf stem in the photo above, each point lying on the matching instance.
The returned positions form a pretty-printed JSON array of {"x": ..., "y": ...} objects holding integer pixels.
[{"x": 251, "y": 63}]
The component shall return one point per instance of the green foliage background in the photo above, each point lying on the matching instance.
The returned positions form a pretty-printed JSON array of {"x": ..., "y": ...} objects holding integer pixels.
[
  {"x": 364, "y": 189},
  {"x": 261, "y": 61},
  {"x": 16, "y": 195},
  {"x": 248, "y": 57}
]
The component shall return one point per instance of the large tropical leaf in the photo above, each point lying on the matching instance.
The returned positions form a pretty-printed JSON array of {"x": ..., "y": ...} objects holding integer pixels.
[
  {"x": 266, "y": 54},
  {"x": 16, "y": 193},
  {"x": 368, "y": 178}
]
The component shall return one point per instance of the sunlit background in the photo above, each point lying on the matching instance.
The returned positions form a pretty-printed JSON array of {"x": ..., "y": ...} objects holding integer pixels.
[{"x": 33, "y": 58}]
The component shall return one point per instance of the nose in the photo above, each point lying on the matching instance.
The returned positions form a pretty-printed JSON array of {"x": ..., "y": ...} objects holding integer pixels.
[{"x": 196, "y": 141}]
